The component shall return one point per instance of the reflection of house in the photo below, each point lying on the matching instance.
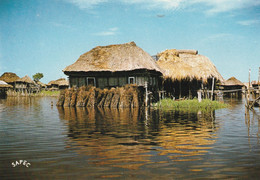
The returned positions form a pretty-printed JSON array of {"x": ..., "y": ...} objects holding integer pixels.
[
  {"x": 113, "y": 66},
  {"x": 25, "y": 84},
  {"x": 4, "y": 87},
  {"x": 185, "y": 72},
  {"x": 58, "y": 84},
  {"x": 9, "y": 78},
  {"x": 233, "y": 84}
]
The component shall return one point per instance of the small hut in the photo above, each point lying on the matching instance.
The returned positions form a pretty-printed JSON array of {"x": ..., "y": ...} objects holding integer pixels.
[
  {"x": 25, "y": 85},
  {"x": 3, "y": 88},
  {"x": 256, "y": 84},
  {"x": 58, "y": 84},
  {"x": 9, "y": 78},
  {"x": 114, "y": 66},
  {"x": 186, "y": 71},
  {"x": 233, "y": 87}
]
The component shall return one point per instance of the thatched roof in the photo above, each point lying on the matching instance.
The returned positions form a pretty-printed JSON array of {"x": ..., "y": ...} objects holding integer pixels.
[
  {"x": 233, "y": 82},
  {"x": 25, "y": 79},
  {"x": 4, "y": 85},
  {"x": 187, "y": 64},
  {"x": 119, "y": 57},
  {"x": 255, "y": 83},
  {"x": 59, "y": 82},
  {"x": 41, "y": 84},
  {"x": 9, "y": 77}
]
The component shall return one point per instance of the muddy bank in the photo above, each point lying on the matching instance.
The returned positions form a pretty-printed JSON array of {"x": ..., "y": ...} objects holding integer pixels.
[{"x": 128, "y": 96}]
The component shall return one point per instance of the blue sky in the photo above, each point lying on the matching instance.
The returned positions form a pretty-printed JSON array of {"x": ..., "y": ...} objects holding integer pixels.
[{"x": 48, "y": 35}]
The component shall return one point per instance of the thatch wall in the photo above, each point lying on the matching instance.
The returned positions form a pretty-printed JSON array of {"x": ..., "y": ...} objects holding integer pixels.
[{"x": 129, "y": 96}]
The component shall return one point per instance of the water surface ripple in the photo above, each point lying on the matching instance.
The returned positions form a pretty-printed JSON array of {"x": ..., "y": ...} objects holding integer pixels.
[{"x": 78, "y": 143}]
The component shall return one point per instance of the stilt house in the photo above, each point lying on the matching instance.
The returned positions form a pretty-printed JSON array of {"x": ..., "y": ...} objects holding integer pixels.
[
  {"x": 9, "y": 78},
  {"x": 234, "y": 86},
  {"x": 113, "y": 66},
  {"x": 186, "y": 72},
  {"x": 25, "y": 84},
  {"x": 58, "y": 84},
  {"x": 3, "y": 88}
]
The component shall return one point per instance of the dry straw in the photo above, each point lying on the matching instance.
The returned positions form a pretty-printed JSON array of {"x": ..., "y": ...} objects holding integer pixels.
[
  {"x": 187, "y": 64},
  {"x": 120, "y": 57},
  {"x": 25, "y": 79},
  {"x": 233, "y": 82},
  {"x": 9, "y": 77}
]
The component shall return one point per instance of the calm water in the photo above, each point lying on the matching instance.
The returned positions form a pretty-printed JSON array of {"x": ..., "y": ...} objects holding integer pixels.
[{"x": 80, "y": 143}]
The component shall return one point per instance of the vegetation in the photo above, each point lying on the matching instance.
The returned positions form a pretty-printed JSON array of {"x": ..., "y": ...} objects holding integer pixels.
[
  {"x": 37, "y": 77},
  {"x": 13, "y": 93},
  {"x": 49, "y": 93},
  {"x": 190, "y": 105}
]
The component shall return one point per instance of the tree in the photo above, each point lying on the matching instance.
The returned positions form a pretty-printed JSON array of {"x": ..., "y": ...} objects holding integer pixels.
[{"x": 37, "y": 77}]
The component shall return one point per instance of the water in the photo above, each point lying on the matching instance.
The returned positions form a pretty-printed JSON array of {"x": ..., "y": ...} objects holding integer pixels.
[{"x": 80, "y": 143}]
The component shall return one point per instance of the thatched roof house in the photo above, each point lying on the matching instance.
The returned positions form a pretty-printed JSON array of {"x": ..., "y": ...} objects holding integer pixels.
[
  {"x": 232, "y": 87},
  {"x": 4, "y": 85},
  {"x": 256, "y": 84},
  {"x": 232, "y": 82},
  {"x": 25, "y": 84},
  {"x": 9, "y": 77},
  {"x": 187, "y": 64},
  {"x": 186, "y": 70},
  {"x": 114, "y": 65},
  {"x": 25, "y": 79},
  {"x": 3, "y": 88},
  {"x": 41, "y": 84},
  {"x": 61, "y": 83}
]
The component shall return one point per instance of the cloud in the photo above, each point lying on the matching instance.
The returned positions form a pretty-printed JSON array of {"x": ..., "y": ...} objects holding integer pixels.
[
  {"x": 157, "y": 4},
  {"x": 86, "y": 4},
  {"x": 210, "y": 6},
  {"x": 217, "y": 6},
  {"x": 248, "y": 22},
  {"x": 110, "y": 32}
]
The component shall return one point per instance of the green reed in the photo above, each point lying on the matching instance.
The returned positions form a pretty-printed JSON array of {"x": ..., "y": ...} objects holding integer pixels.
[{"x": 191, "y": 105}]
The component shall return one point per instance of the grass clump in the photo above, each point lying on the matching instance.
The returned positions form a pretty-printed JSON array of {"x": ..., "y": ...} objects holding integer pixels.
[{"x": 191, "y": 105}]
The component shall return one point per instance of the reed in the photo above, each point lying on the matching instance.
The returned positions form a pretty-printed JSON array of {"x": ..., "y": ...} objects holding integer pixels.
[{"x": 190, "y": 105}]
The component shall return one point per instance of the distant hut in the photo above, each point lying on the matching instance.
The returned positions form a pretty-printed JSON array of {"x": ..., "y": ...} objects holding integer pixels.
[
  {"x": 234, "y": 85},
  {"x": 3, "y": 88},
  {"x": 185, "y": 72},
  {"x": 9, "y": 78},
  {"x": 25, "y": 84},
  {"x": 42, "y": 85},
  {"x": 113, "y": 66},
  {"x": 256, "y": 84},
  {"x": 58, "y": 84}
]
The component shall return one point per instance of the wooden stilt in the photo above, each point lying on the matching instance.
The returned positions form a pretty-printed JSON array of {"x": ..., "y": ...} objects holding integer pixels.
[{"x": 212, "y": 89}]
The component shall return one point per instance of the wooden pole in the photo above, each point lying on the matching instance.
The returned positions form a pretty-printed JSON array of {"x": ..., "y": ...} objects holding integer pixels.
[
  {"x": 212, "y": 89},
  {"x": 146, "y": 93},
  {"x": 258, "y": 78}
]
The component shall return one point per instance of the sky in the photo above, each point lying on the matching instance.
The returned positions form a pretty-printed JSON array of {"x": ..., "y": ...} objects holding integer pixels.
[{"x": 47, "y": 35}]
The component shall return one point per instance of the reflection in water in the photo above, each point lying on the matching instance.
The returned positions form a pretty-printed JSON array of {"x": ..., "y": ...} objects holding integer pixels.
[
  {"x": 251, "y": 116},
  {"x": 84, "y": 143},
  {"x": 129, "y": 138}
]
